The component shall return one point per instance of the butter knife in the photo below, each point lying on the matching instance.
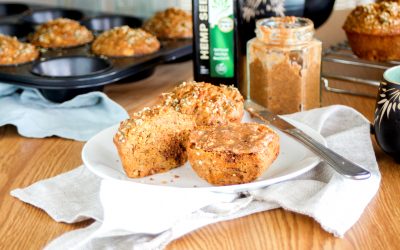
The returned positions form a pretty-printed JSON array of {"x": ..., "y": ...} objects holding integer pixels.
[{"x": 340, "y": 164}]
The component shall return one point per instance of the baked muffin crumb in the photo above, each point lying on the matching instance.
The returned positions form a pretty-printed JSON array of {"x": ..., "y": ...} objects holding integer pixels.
[
  {"x": 232, "y": 154},
  {"x": 153, "y": 140}
]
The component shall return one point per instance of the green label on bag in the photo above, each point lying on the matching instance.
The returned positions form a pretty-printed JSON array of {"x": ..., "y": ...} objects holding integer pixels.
[{"x": 221, "y": 38}]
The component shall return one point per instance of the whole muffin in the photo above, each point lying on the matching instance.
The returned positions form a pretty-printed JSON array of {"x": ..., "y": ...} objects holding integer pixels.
[
  {"x": 232, "y": 154},
  {"x": 125, "y": 41},
  {"x": 169, "y": 24},
  {"x": 61, "y": 33},
  {"x": 14, "y": 52},
  {"x": 153, "y": 141},
  {"x": 207, "y": 103},
  {"x": 373, "y": 31}
]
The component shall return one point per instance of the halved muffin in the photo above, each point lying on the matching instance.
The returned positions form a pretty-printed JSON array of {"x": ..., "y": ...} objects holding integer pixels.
[
  {"x": 232, "y": 154},
  {"x": 153, "y": 140}
]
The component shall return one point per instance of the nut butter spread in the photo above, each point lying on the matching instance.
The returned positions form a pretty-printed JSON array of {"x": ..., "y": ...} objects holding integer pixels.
[
  {"x": 284, "y": 63},
  {"x": 237, "y": 138}
]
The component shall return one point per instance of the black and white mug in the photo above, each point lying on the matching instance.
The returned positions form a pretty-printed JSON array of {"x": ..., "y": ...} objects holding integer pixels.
[{"x": 387, "y": 113}]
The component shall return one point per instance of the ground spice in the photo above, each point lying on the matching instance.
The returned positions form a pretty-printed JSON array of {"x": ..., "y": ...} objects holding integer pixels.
[{"x": 284, "y": 70}]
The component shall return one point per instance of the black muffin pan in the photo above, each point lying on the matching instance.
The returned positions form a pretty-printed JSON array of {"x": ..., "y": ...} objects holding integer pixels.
[{"x": 61, "y": 74}]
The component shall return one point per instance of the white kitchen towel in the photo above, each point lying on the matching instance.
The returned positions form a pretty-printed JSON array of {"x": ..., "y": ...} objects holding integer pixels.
[
  {"x": 78, "y": 119},
  {"x": 130, "y": 218}
]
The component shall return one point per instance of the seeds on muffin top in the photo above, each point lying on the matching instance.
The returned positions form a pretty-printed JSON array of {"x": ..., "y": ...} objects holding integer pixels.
[
  {"x": 61, "y": 32},
  {"x": 374, "y": 18},
  {"x": 209, "y": 104}
]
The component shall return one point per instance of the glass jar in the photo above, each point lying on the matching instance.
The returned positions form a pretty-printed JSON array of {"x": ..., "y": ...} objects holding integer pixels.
[{"x": 284, "y": 65}]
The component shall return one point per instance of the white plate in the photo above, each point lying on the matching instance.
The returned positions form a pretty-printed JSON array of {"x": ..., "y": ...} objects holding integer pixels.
[{"x": 100, "y": 156}]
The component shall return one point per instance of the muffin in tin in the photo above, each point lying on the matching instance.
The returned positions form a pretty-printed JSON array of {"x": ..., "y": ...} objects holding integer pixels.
[
  {"x": 232, "y": 154},
  {"x": 13, "y": 52},
  {"x": 125, "y": 41},
  {"x": 173, "y": 23},
  {"x": 373, "y": 31},
  {"x": 207, "y": 103},
  {"x": 61, "y": 33}
]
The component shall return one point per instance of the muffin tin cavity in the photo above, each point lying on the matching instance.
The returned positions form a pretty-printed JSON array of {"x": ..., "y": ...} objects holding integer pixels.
[
  {"x": 71, "y": 66},
  {"x": 21, "y": 31},
  {"x": 61, "y": 95},
  {"x": 103, "y": 23},
  {"x": 62, "y": 73},
  {"x": 42, "y": 16},
  {"x": 10, "y": 9}
]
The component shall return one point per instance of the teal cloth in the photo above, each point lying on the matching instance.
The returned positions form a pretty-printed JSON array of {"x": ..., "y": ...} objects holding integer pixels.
[{"x": 77, "y": 119}]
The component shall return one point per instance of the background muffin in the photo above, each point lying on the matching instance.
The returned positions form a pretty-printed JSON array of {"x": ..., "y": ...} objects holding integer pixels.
[
  {"x": 125, "y": 41},
  {"x": 13, "y": 51},
  {"x": 153, "y": 141},
  {"x": 61, "y": 33},
  {"x": 373, "y": 31},
  {"x": 169, "y": 24},
  {"x": 232, "y": 154},
  {"x": 207, "y": 103}
]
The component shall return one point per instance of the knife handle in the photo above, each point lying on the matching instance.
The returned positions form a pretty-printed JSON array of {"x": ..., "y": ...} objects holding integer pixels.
[{"x": 340, "y": 164}]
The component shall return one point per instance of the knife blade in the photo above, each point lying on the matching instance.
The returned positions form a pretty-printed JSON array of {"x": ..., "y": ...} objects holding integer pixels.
[{"x": 342, "y": 165}]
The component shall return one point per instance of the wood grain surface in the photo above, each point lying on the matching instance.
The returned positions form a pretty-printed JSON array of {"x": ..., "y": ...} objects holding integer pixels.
[{"x": 24, "y": 161}]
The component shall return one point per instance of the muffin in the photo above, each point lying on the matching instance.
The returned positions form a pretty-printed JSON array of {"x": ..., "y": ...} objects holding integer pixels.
[
  {"x": 153, "y": 141},
  {"x": 125, "y": 41},
  {"x": 173, "y": 23},
  {"x": 61, "y": 33},
  {"x": 232, "y": 154},
  {"x": 14, "y": 52},
  {"x": 207, "y": 103},
  {"x": 373, "y": 31}
]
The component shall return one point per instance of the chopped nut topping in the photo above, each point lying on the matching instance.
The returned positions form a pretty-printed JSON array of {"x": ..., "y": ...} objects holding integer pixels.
[
  {"x": 13, "y": 51},
  {"x": 209, "y": 104},
  {"x": 374, "y": 18},
  {"x": 171, "y": 23},
  {"x": 125, "y": 41},
  {"x": 61, "y": 32}
]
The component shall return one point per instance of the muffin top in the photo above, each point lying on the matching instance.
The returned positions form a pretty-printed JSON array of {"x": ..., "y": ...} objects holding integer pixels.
[
  {"x": 61, "y": 33},
  {"x": 375, "y": 19},
  {"x": 13, "y": 51},
  {"x": 139, "y": 121},
  {"x": 209, "y": 104},
  {"x": 237, "y": 138},
  {"x": 125, "y": 41},
  {"x": 169, "y": 24}
]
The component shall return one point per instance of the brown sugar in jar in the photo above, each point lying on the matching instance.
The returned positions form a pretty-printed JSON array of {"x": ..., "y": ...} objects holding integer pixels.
[{"x": 284, "y": 64}]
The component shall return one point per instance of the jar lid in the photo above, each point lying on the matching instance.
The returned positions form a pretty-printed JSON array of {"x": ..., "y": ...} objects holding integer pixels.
[{"x": 287, "y": 30}]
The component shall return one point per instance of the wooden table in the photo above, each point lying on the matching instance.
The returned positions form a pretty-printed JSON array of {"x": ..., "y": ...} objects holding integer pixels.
[{"x": 24, "y": 161}]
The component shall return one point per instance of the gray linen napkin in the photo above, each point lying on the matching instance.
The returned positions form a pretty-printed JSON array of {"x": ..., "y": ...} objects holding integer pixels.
[
  {"x": 333, "y": 201},
  {"x": 78, "y": 119}
]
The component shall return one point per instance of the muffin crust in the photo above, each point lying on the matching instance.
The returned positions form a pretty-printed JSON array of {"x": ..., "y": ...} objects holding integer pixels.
[
  {"x": 61, "y": 33},
  {"x": 209, "y": 104},
  {"x": 169, "y": 24},
  {"x": 125, "y": 41},
  {"x": 13, "y": 52},
  {"x": 373, "y": 31}
]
